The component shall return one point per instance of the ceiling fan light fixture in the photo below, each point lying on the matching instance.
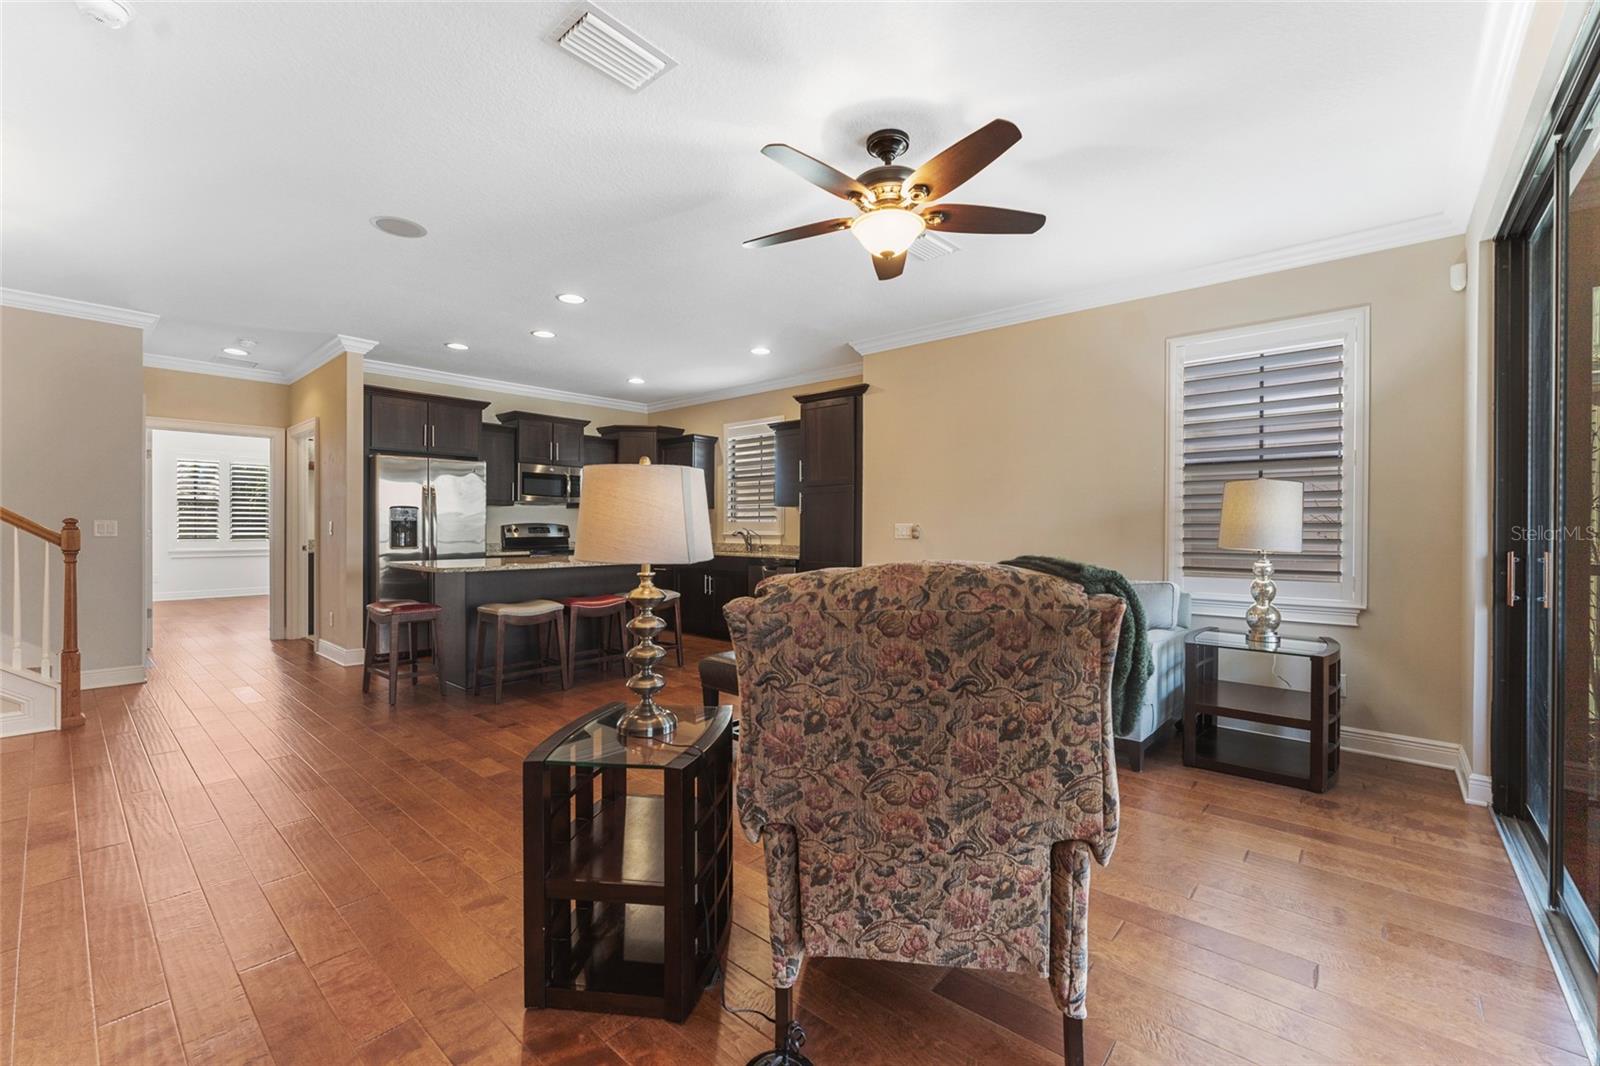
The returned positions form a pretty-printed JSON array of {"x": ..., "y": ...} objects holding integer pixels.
[{"x": 887, "y": 231}]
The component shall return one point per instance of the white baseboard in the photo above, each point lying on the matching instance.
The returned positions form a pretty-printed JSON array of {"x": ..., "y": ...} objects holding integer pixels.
[
  {"x": 112, "y": 676},
  {"x": 209, "y": 594},
  {"x": 1475, "y": 788},
  {"x": 343, "y": 656}
]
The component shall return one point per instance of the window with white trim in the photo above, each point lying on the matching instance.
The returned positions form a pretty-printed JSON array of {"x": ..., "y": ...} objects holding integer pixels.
[
  {"x": 199, "y": 492},
  {"x": 247, "y": 501},
  {"x": 219, "y": 501},
  {"x": 750, "y": 465},
  {"x": 1284, "y": 400}
]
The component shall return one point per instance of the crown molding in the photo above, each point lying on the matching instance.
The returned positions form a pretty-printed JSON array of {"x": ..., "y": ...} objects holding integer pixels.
[
  {"x": 469, "y": 381},
  {"x": 221, "y": 370},
  {"x": 60, "y": 305},
  {"x": 329, "y": 349},
  {"x": 1488, "y": 98},
  {"x": 1378, "y": 239},
  {"x": 809, "y": 377}
]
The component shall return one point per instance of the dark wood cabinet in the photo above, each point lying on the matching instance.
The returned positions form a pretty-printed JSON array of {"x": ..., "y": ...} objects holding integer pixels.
[
  {"x": 598, "y": 450},
  {"x": 786, "y": 454},
  {"x": 697, "y": 450},
  {"x": 415, "y": 423},
  {"x": 548, "y": 439},
  {"x": 639, "y": 442},
  {"x": 704, "y": 590},
  {"x": 829, "y": 474},
  {"x": 500, "y": 460}
]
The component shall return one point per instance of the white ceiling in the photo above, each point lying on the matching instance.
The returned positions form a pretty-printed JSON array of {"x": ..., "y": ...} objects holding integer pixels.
[{"x": 217, "y": 164}]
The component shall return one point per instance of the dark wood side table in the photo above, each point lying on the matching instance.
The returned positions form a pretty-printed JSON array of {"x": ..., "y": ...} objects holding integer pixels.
[
  {"x": 1311, "y": 763},
  {"x": 627, "y": 896}
]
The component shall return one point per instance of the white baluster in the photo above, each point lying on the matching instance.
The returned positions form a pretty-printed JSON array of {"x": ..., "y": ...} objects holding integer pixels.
[
  {"x": 44, "y": 618},
  {"x": 16, "y": 600}
]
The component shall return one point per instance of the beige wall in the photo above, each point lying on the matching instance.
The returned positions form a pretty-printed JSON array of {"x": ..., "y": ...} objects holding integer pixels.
[
  {"x": 332, "y": 395},
  {"x": 712, "y": 418},
  {"x": 207, "y": 398},
  {"x": 70, "y": 431},
  {"x": 1049, "y": 437}
]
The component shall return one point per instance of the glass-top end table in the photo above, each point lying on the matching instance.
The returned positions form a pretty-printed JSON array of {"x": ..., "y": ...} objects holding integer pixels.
[
  {"x": 627, "y": 863},
  {"x": 1279, "y": 755}
]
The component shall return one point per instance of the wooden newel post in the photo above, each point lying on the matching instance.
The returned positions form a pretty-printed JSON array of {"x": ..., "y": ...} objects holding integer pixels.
[{"x": 71, "y": 668}]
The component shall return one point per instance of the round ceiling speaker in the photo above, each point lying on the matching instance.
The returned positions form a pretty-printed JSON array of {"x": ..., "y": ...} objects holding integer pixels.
[
  {"x": 112, "y": 13},
  {"x": 399, "y": 227}
]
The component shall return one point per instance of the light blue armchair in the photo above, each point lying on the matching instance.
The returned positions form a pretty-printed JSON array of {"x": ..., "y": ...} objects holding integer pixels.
[{"x": 1166, "y": 615}]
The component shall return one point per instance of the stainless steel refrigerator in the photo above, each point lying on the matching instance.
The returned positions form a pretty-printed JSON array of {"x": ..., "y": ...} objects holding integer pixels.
[{"x": 423, "y": 509}]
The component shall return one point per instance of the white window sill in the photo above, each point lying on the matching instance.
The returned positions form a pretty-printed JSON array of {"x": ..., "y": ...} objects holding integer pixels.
[
  {"x": 222, "y": 550},
  {"x": 1233, "y": 607}
]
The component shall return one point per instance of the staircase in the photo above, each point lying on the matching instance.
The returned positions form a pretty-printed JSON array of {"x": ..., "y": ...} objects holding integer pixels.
[{"x": 40, "y": 689}]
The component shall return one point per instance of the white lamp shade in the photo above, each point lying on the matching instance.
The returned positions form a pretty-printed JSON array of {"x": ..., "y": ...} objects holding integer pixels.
[
  {"x": 1261, "y": 515},
  {"x": 643, "y": 514}
]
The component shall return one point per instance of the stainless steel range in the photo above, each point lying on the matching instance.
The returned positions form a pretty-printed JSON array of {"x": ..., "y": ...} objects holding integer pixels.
[{"x": 535, "y": 538}]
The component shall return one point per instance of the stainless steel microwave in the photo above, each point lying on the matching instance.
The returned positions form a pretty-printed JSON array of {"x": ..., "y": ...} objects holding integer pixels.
[{"x": 545, "y": 483}]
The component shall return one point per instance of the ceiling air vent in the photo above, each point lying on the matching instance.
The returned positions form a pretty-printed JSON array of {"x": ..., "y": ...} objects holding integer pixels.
[
  {"x": 932, "y": 246},
  {"x": 612, "y": 49}
]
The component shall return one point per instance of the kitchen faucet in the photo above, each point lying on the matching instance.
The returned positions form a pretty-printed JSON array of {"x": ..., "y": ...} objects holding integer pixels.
[{"x": 749, "y": 538}]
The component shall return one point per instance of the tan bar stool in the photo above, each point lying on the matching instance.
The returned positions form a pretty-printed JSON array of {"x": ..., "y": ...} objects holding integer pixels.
[
  {"x": 604, "y": 609},
  {"x": 545, "y": 618},
  {"x": 392, "y": 614},
  {"x": 668, "y": 604}
]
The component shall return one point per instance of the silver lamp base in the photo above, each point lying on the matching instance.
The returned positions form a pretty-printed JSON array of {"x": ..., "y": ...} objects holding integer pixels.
[
  {"x": 1262, "y": 617},
  {"x": 645, "y": 719}
]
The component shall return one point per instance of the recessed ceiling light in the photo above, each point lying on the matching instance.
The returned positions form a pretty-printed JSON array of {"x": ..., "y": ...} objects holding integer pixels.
[
  {"x": 544, "y": 334},
  {"x": 455, "y": 346},
  {"x": 235, "y": 351},
  {"x": 636, "y": 381},
  {"x": 760, "y": 351},
  {"x": 569, "y": 298},
  {"x": 395, "y": 226}
]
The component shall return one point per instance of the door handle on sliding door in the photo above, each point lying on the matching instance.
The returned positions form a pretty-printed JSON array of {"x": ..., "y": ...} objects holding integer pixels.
[
  {"x": 1512, "y": 599},
  {"x": 1547, "y": 580}
]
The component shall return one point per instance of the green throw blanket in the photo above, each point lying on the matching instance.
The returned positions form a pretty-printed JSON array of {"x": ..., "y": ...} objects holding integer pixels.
[{"x": 1133, "y": 666}]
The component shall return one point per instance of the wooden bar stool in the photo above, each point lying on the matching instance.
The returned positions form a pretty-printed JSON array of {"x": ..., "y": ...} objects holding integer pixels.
[
  {"x": 668, "y": 604},
  {"x": 545, "y": 618},
  {"x": 606, "y": 609},
  {"x": 392, "y": 614}
]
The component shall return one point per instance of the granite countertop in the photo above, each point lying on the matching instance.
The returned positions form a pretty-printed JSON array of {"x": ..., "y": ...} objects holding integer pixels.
[
  {"x": 760, "y": 551},
  {"x": 492, "y": 564}
]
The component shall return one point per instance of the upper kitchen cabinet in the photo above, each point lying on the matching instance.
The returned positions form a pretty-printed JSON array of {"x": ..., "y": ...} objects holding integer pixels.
[
  {"x": 546, "y": 438},
  {"x": 500, "y": 460},
  {"x": 598, "y": 450},
  {"x": 419, "y": 424},
  {"x": 829, "y": 470},
  {"x": 697, "y": 450},
  {"x": 786, "y": 454},
  {"x": 639, "y": 442}
]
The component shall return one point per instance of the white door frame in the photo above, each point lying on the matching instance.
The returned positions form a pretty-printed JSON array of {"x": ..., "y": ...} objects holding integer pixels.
[
  {"x": 275, "y": 525},
  {"x": 295, "y": 507}
]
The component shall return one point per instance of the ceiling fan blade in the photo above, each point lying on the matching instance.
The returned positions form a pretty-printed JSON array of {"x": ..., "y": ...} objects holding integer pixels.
[
  {"x": 941, "y": 174},
  {"x": 816, "y": 171},
  {"x": 971, "y": 218},
  {"x": 889, "y": 267},
  {"x": 814, "y": 229}
]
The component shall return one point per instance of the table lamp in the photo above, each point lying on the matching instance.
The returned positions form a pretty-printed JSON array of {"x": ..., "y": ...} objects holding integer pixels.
[
  {"x": 1261, "y": 516},
  {"x": 644, "y": 514}
]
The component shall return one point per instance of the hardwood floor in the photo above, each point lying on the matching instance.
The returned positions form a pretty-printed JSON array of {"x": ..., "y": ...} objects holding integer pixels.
[{"x": 246, "y": 860}]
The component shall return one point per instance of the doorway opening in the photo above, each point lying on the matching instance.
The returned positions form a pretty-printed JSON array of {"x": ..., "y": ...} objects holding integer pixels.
[{"x": 301, "y": 522}]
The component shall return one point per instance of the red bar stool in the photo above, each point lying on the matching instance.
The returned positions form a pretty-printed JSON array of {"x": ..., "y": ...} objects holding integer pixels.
[
  {"x": 668, "y": 604},
  {"x": 605, "y": 609},
  {"x": 545, "y": 618},
  {"x": 392, "y": 614}
]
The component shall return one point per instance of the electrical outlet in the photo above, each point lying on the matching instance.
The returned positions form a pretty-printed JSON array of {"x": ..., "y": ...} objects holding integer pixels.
[
  {"x": 330, "y": 527},
  {"x": 105, "y": 527},
  {"x": 330, "y": 618},
  {"x": 907, "y": 531}
]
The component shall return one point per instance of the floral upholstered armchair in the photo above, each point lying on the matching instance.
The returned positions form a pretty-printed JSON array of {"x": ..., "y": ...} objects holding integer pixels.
[{"x": 926, "y": 758}]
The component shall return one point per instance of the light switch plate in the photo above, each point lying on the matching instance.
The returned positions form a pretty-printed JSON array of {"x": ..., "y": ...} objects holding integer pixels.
[
  {"x": 105, "y": 527},
  {"x": 907, "y": 531}
]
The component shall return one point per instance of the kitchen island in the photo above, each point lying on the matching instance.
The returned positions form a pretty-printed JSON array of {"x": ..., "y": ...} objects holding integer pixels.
[{"x": 461, "y": 586}]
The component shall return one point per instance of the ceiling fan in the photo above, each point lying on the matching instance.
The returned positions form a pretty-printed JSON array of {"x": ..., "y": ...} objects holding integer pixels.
[{"x": 896, "y": 204}]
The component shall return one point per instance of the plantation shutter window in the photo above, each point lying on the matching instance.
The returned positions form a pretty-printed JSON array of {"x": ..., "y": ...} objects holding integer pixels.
[
  {"x": 1284, "y": 400},
  {"x": 199, "y": 492},
  {"x": 247, "y": 501},
  {"x": 1277, "y": 415},
  {"x": 751, "y": 467}
]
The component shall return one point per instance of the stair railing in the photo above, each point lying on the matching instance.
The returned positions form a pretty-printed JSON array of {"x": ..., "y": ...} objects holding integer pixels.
[{"x": 66, "y": 668}]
